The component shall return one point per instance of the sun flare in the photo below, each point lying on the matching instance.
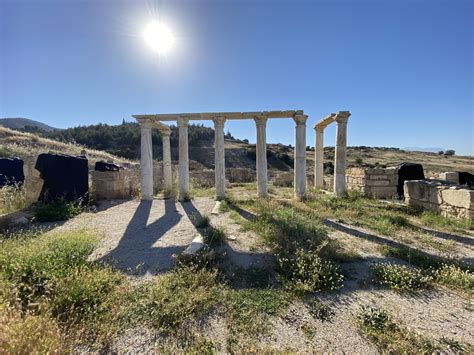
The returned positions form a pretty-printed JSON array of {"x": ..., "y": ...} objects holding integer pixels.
[{"x": 159, "y": 37}]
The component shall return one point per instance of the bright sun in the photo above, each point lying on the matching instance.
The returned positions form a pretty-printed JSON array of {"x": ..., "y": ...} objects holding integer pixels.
[{"x": 159, "y": 37}]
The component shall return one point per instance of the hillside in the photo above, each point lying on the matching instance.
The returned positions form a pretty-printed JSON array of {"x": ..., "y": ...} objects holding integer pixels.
[
  {"x": 111, "y": 142},
  {"x": 16, "y": 143},
  {"x": 25, "y": 124}
]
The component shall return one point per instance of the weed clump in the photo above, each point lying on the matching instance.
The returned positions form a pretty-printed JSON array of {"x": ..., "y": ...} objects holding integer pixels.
[
  {"x": 170, "y": 300},
  {"x": 452, "y": 275},
  {"x": 306, "y": 271},
  {"x": 399, "y": 277},
  {"x": 58, "y": 210},
  {"x": 377, "y": 325}
]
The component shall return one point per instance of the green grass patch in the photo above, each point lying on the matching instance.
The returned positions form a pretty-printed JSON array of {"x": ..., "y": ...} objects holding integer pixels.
[
  {"x": 400, "y": 277},
  {"x": 377, "y": 325},
  {"x": 435, "y": 220},
  {"x": 248, "y": 311},
  {"x": 58, "y": 210},
  {"x": 169, "y": 301}
]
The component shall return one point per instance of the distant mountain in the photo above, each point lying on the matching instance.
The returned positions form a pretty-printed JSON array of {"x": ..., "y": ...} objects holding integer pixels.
[
  {"x": 420, "y": 149},
  {"x": 25, "y": 124}
]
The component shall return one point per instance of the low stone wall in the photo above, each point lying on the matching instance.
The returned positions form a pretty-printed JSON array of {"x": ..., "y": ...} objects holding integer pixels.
[
  {"x": 373, "y": 182},
  {"x": 440, "y": 196},
  {"x": 115, "y": 185}
]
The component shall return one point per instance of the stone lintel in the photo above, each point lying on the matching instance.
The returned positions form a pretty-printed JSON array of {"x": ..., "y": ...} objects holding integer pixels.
[{"x": 211, "y": 115}]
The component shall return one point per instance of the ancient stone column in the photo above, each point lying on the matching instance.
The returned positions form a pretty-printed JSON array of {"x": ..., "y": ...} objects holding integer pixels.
[
  {"x": 340, "y": 153},
  {"x": 300, "y": 156},
  {"x": 183, "y": 166},
  {"x": 146, "y": 162},
  {"x": 219, "y": 156},
  {"x": 319, "y": 158},
  {"x": 167, "y": 173},
  {"x": 261, "y": 123}
]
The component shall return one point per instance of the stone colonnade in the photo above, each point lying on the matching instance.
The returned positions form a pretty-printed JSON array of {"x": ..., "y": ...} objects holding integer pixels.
[
  {"x": 147, "y": 122},
  {"x": 341, "y": 118}
]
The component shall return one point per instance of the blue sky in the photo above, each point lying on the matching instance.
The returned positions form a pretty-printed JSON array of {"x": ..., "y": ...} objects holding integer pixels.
[{"x": 403, "y": 68}]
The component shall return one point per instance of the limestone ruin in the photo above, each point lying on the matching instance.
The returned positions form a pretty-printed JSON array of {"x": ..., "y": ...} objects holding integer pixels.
[
  {"x": 341, "y": 118},
  {"x": 148, "y": 122}
]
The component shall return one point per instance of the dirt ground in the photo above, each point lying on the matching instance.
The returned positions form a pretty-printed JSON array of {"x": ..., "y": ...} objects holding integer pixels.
[{"x": 141, "y": 238}]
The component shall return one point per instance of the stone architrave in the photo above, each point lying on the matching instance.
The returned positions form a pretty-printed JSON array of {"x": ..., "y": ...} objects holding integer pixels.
[
  {"x": 340, "y": 153},
  {"x": 219, "y": 156},
  {"x": 300, "y": 156},
  {"x": 261, "y": 155},
  {"x": 146, "y": 162},
  {"x": 183, "y": 165}
]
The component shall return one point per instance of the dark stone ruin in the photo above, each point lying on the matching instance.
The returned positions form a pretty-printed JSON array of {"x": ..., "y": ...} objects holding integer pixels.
[
  {"x": 408, "y": 171},
  {"x": 65, "y": 178},
  {"x": 11, "y": 171}
]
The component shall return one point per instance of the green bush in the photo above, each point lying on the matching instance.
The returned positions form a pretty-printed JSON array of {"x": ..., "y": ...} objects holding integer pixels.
[
  {"x": 56, "y": 211},
  {"x": 373, "y": 318},
  {"x": 452, "y": 275},
  {"x": 399, "y": 277},
  {"x": 306, "y": 271}
]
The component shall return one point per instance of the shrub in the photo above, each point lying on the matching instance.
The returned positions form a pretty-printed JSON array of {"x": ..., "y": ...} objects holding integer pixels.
[
  {"x": 306, "y": 271},
  {"x": 452, "y": 275},
  {"x": 359, "y": 161},
  {"x": 450, "y": 152},
  {"x": 399, "y": 277},
  {"x": 59, "y": 210},
  {"x": 373, "y": 318}
]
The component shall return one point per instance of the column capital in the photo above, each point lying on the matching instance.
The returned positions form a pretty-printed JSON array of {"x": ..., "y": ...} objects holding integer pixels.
[
  {"x": 144, "y": 123},
  {"x": 261, "y": 120},
  {"x": 342, "y": 117},
  {"x": 319, "y": 129},
  {"x": 165, "y": 132},
  {"x": 182, "y": 121},
  {"x": 219, "y": 120},
  {"x": 300, "y": 119}
]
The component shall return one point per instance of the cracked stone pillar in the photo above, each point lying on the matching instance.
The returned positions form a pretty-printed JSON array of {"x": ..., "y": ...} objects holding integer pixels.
[
  {"x": 167, "y": 173},
  {"x": 183, "y": 166},
  {"x": 219, "y": 156},
  {"x": 146, "y": 161},
  {"x": 340, "y": 153},
  {"x": 300, "y": 156},
  {"x": 319, "y": 158},
  {"x": 261, "y": 123}
]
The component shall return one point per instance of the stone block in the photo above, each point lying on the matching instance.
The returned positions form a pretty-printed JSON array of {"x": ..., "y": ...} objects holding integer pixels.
[
  {"x": 463, "y": 198},
  {"x": 377, "y": 183},
  {"x": 449, "y": 176}
]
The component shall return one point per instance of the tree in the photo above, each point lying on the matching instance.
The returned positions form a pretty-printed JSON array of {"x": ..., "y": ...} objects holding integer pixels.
[{"x": 450, "y": 152}]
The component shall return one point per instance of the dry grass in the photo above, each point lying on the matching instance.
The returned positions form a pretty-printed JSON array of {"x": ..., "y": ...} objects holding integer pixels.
[{"x": 25, "y": 144}]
